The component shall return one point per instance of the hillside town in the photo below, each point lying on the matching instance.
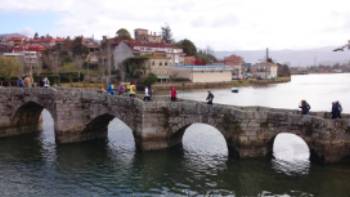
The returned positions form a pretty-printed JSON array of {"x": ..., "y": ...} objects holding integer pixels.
[{"x": 145, "y": 56}]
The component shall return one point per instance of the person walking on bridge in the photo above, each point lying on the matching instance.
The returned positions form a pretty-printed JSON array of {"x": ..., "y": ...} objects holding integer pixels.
[
  {"x": 132, "y": 91},
  {"x": 305, "y": 107},
  {"x": 46, "y": 82},
  {"x": 173, "y": 93},
  {"x": 210, "y": 98},
  {"x": 336, "y": 110},
  {"x": 121, "y": 89},
  {"x": 110, "y": 89},
  {"x": 147, "y": 96},
  {"x": 28, "y": 82},
  {"x": 20, "y": 82}
]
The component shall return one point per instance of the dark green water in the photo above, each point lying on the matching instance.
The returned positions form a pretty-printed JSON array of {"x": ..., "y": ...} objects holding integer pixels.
[{"x": 35, "y": 166}]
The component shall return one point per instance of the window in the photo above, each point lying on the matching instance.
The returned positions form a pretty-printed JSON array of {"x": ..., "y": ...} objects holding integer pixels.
[
  {"x": 166, "y": 63},
  {"x": 153, "y": 63},
  {"x": 160, "y": 63}
]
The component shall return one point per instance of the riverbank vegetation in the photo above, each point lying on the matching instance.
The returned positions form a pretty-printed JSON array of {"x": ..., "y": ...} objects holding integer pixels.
[{"x": 188, "y": 86}]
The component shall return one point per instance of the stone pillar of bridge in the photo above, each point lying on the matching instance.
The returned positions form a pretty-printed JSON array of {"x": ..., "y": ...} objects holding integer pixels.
[
  {"x": 72, "y": 118},
  {"x": 155, "y": 134},
  {"x": 75, "y": 113}
]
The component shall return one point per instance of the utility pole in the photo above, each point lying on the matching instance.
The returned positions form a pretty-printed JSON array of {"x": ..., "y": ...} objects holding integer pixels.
[
  {"x": 267, "y": 54},
  {"x": 109, "y": 62}
]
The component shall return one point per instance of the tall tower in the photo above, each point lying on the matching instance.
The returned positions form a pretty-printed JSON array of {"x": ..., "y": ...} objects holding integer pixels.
[
  {"x": 267, "y": 54},
  {"x": 141, "y": 34}
]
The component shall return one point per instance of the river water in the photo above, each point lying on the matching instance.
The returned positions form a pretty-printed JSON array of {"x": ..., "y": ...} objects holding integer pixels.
[
  {"x": 33, "y": 165},
  {"x": 319, "y": 90}
]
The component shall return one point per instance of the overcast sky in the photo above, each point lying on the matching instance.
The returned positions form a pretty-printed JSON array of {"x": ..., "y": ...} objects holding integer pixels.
[{"x": 219, "y": 24}]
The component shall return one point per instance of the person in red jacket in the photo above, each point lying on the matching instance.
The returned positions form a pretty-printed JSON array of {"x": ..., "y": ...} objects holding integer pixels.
[{"x": 173, "y": 93}]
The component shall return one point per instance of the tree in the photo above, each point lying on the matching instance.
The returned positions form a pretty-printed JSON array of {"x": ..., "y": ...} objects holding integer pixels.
[
  {"x": 135, "y": 67},
  {"x": 10, "y": 67},
  {"x": 36, "y": 35},
  {"x": 124, "y": 34},
  {"x": 283, "y": 70},
  {"x": 78, "y": 48},
  {"x": 166, "y": 34},
  {"x": 150, "y": 79},
  {"x": 188, "y": 47},
  {"x": 205, "y": 57}
]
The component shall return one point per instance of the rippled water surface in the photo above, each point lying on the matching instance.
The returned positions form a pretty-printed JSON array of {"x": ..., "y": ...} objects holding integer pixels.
[{"x": 34, "y": 165}]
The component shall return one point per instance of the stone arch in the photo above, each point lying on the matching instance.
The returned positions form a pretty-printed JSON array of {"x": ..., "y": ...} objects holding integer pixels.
[
  {"x": 26, "y": 118},
  {"x": 97, "y": 128},
  {"x": 314, "y": 155},
  {"x": 176, "y": 138}
]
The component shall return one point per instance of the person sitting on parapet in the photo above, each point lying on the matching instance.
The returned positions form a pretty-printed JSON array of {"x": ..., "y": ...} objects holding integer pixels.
[
  {"x": 336, "y": 110},
  {"x": 210, "y": 98},
  {"x": 305, "y": 107}
]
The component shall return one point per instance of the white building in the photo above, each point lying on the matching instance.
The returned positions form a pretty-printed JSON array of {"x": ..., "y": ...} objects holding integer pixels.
[
  {"x": 202, "y": 73},
  {"x": 265, "y": 70},
  {"x": 170, "y": 55}
]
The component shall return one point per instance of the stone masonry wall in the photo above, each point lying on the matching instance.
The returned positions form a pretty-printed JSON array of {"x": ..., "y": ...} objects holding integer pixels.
[{"x": 82, "y": 115}]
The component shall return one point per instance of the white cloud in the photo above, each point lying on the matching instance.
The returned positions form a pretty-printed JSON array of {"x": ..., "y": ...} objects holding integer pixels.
[{"x": 221, "y": 24}]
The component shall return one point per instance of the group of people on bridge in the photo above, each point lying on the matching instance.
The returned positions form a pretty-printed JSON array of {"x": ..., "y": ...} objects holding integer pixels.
[
  {"x": 130, "y": 89},
  {"x": 27, "y": 82},
  {"x": 335, "y": 111},
  {"x": 123, "y": 89}
]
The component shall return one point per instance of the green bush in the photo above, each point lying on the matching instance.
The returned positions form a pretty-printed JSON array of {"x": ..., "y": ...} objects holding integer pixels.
[{"x": 150, "y": 79}]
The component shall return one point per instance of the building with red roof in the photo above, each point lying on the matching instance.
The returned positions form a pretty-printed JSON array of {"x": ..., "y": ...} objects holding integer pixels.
[
  {"x": 142, "y": 35},
  {"x": 47, "y": 42},
  {"x": 236, "y": 63},
  {"x": 13, "y": 39},
  {"x": 29, "y": 47},
  {"x": 131, "y": 48}
]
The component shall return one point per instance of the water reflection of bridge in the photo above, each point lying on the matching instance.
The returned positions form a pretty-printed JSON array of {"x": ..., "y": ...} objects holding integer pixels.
[{"x": 248, "y": 131}]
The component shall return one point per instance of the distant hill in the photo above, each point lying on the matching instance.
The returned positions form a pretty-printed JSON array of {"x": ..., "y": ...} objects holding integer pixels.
[{"x": 305, "y": 57}]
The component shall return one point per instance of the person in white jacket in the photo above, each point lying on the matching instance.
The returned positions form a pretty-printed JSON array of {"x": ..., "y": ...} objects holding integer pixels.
[{"x": 147, "y": 96}]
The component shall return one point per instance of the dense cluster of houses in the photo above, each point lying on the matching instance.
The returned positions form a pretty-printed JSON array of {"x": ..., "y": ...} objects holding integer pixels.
[
  {"x": 168, "y": 61},
  {"x": 165, "y": 60},
  {"x": 27, "y": 50}
]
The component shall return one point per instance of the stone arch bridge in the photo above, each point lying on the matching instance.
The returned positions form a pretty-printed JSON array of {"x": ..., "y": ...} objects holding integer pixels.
[{"x": 82, "y": 115}]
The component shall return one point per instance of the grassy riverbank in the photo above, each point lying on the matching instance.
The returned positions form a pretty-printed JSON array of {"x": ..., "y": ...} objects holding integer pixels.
[{"x": 187, "y": 86}]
